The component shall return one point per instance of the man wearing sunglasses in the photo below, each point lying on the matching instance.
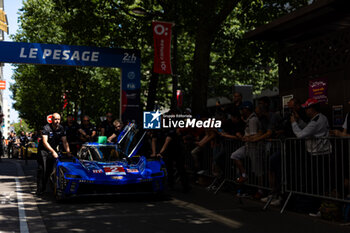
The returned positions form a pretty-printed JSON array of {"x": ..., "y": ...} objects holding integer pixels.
[
  {"x": 88, "y": 133},
  {"x": 107, "y": 127}
]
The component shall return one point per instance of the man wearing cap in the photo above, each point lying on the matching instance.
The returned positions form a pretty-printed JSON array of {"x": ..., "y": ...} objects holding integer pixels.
[
  {"x": 318, "y": 147},
  {"x": 318, "y": 125},
  {"x": 251, "y": 130}
]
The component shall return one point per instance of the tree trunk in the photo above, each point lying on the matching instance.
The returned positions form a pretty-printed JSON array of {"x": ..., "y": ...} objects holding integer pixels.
[
  {"x": 201, "y": 72},
  {"x": 213, "y": 13},
  {"x": 152, "y": 91}
]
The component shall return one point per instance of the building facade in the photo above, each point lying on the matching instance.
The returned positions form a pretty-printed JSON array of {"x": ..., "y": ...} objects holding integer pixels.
[
  {"x": 314, "y": 55},
  {"x": 6, "y": 127},
  {"x": 2, "y": 37},
  {"x": 3, "y": 26}
]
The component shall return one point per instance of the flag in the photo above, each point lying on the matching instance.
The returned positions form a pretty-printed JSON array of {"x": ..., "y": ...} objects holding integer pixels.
[
  {"x": 2, "y": 84},
  {"x": 162, "y": 47}
]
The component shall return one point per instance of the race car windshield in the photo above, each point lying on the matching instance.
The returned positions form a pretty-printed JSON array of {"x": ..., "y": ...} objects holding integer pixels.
[{"x": 101, "y": 153}]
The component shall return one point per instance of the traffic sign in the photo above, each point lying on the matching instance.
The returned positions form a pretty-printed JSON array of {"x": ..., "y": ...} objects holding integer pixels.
[{"x": 49, "y": 119}]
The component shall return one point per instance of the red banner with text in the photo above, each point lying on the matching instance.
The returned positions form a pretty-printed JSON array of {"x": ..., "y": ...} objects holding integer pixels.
[
  {"x": 2, "y": 84},
  {"x": 162, "y": 47}
]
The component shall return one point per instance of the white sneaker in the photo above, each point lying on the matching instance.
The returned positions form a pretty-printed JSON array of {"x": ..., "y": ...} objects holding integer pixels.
[
  {"x": 265, "y": 199},
  {"x": 318, "y": 214},
  {"x": 276, "y": 201},
  {"x": 201, "y": 172}
]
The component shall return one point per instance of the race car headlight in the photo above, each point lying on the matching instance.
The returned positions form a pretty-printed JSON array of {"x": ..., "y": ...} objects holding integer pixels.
[{"x": 72, "y": 176}]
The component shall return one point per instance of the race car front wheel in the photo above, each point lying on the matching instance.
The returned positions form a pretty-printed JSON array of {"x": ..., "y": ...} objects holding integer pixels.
[{"x": 59, "y": 186}]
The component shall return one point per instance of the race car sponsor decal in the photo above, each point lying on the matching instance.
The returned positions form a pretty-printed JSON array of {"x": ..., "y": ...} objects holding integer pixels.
[
  {"x": 97, "y": 171},
  {"x": 114, "y": 170},
  {"x": 86, "y": 181},
  {"x": 132, "y": 170}
]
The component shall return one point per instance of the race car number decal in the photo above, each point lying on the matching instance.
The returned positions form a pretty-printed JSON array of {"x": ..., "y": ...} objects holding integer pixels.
[{"x": 114, "y": 170}]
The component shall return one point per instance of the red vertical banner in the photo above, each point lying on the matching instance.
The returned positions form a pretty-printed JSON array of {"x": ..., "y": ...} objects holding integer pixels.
[
  {"x": 2, "y": 84},
  {"x": 65, "y": 101},
  {"x": 162, "y": 47}
]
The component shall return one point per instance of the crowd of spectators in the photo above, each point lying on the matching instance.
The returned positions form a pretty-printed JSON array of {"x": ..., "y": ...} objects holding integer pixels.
[
  {"x": 255, "y": 129},
  {"x": 16, "y": 144}
]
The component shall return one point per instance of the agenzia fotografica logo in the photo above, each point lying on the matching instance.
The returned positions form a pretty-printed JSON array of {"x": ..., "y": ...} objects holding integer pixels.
[{"x": 151, "y": 120}]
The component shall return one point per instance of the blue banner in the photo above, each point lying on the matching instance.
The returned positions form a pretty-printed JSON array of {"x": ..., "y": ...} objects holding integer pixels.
[
  {"x": 50, "y": 54},
  {"x": 67, "y": 55}
]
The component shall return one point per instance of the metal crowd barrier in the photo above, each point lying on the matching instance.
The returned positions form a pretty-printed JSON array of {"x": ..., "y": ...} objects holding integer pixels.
[
  {"x": 215, "y": 161},
  {"x": 257, "y": 160},
  {"x": 314, "y": 167},
  {"x": 317, "y": 167},
  {"x": 200, "y": 160}
]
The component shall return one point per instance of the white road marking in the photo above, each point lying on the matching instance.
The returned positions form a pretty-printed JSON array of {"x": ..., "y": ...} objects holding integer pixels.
[
  {"x": 23, "y": 226},
  {"x": 208, "y": 213}
]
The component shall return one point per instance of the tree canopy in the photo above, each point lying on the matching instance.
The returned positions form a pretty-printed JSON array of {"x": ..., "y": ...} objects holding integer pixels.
[{"x": 212, "y": 54}]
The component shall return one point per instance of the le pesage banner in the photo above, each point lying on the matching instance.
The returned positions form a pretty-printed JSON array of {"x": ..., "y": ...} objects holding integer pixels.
[
  {"x": 162, "y": 47},
  {"x": 129, "y": 60},
  {"x": 53, "y": 54}
]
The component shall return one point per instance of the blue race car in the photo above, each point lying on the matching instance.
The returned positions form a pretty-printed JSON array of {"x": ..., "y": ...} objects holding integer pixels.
[{"x": 110, "y": 169}]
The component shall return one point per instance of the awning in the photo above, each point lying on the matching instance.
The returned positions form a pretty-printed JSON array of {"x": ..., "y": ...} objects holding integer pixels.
[{"x": 319, "y": 18}]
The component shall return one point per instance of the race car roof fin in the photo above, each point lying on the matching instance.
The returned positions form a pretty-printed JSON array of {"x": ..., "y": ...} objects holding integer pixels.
[
  {"x": 136, "y": 148},
  {"x": 125, "y": 132}
]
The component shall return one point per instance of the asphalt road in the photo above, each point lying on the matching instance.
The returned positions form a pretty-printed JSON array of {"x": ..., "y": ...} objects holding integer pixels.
[{"x": 197, "y": 211}]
